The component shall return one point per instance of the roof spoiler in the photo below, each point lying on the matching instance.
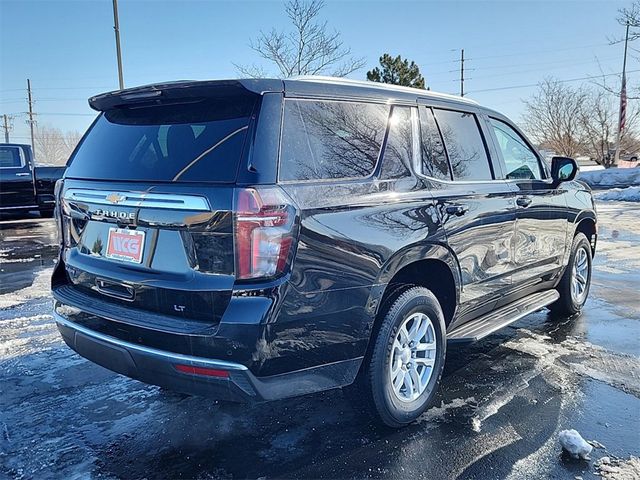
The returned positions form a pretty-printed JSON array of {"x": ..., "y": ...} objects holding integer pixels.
[{"x": 181, "y": 92}]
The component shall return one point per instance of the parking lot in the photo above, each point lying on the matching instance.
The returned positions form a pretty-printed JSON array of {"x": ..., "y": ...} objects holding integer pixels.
[{"x": 502, "y": 403}]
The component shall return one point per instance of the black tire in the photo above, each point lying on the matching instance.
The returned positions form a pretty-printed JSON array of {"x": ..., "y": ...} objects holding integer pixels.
[
  {"x": 374, "y": 384},
  {"x": 46, "y": 213},
  {"x": 568, "y": 304}
]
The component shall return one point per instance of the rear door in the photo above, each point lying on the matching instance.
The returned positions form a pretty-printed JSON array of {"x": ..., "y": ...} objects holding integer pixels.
[
  {"x": 541, "y": 219},
  {"x": 478, "y": 211},
  {"x": 16, "y": 177}
]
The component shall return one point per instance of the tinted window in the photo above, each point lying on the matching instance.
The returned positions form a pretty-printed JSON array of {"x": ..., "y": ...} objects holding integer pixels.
[
  {"x": 10, "y": 157},
  {"x": 398, "y": 151},
  {"x": 520, "y": 160},
  {"x": 325, "y": 140},
  {"x": 434, "y": 157},
  {"x": 464, "y": 144},
  {"x": 202, "y": 141}
]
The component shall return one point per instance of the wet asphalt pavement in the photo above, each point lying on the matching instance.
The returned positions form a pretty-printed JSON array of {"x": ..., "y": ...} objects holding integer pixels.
[{"x": 501, "y": 405}]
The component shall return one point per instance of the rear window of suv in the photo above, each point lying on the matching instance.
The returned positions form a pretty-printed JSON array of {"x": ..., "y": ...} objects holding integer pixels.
[
  {"x": 324, "y": 140},
  {"x": 194, "y": 142}
]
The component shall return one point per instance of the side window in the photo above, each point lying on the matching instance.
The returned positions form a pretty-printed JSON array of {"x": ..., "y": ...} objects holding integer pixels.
[
  {"x": 464, "y": 144},
  {"x": 520, "y": 160},
  {"x": 434, "y": 157},
  {"x": 398, "y": 151},
  {"x": 10, "y": 157},
  {"x": 329, "y": 140}
]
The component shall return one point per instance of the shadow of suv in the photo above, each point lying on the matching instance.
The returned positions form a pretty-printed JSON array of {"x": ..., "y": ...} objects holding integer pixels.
[{"x": 261, "y": 239}]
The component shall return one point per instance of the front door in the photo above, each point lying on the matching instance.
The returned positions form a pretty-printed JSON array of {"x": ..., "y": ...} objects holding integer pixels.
[
  {"x": 541, "y": 219},
  {"x": 16, "y": 177}
]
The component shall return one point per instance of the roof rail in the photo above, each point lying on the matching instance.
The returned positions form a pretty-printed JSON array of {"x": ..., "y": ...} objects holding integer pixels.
[{"x": 381, "y": 86}]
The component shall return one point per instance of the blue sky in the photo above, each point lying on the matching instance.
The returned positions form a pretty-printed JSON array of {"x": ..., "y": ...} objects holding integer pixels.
[{"x": 67, "y": 47}]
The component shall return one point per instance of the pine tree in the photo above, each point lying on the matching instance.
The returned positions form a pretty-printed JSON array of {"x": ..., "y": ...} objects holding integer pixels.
[{"x": 397, "y": 72}]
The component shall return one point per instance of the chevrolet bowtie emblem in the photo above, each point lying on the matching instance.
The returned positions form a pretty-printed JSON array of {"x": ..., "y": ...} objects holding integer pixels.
[{"x": 115, "y": 198}]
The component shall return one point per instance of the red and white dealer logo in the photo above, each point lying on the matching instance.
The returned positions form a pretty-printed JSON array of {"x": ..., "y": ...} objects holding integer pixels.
[{"x": 126, "y": 245}]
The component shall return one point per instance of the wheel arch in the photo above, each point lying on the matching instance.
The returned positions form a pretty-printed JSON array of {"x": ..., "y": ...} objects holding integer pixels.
[
  {"x": 586, "y": 222},
  {"x": 408, "y": 267},
  {"x": 404, "y": 268}
]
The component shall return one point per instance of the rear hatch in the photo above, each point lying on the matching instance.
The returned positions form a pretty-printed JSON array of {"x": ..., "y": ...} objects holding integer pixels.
[{"x": 147, "y": 201}]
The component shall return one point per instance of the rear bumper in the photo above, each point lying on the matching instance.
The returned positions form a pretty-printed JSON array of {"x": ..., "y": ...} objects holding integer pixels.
[{"x": 158, "y": 367}]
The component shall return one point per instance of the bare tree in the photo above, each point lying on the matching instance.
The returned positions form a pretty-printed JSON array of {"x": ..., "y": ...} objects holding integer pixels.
[
  {"x": 308, "y": 49},
  {"x": 599, "y": 127},
  {"x": 71, "y": 139},
  {"x": 53, "y": 146},
  {"x": 580, "y": 120},
  {"x": 630, "y": 16},
  {"x": 552, "y": 117},
  {"x": 599, "y": 121}
]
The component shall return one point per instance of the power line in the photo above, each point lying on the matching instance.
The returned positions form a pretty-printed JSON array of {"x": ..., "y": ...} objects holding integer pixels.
[
  {"x": 94, "y": 87},
  {"x": 68, "y": 114},
  {"x": 531, "y": 52},
  {"x": 511, "y": 87},
  {"x": 540, "y": 51},
  {"x": 518, "y": 72}
]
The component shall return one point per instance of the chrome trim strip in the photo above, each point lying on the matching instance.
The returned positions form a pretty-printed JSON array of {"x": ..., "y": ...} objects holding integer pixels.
[
  {"x": 168, "y": 356},
  {"x": 139, "y": 199},
  {"x": 20, "y": 207}
]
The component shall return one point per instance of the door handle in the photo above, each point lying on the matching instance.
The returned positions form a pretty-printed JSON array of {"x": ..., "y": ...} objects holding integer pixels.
[
  {"x": 457, "y": 209},
  {"x": 116, "y": 290},
  {"x": 523, "y": 201},
  {"x": 22, "y": 174}
]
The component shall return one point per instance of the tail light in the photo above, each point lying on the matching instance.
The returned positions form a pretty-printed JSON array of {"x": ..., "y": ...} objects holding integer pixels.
[
  {"x": 265, "y": 229},
  {"x": 57, "y": 210}
]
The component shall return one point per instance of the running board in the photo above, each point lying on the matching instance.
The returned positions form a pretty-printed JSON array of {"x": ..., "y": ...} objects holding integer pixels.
[{"x": 487, "y": 324}]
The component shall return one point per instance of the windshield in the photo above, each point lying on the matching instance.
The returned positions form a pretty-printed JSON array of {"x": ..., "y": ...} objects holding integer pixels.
[{"x": 201, "y": 141}]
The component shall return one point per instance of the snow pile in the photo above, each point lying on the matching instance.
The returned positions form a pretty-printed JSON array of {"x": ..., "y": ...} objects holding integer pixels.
[
  {"x": 611, "y": 177},
  {"x": 574, "y": 444},
  {"x": 440, "y": 413},
  {"x": 629, "y": 194},
  {"x": 613, "y": 468}
]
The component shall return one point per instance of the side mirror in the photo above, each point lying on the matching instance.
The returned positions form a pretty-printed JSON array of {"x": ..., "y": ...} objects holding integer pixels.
[{"x": 563, "y": 169}]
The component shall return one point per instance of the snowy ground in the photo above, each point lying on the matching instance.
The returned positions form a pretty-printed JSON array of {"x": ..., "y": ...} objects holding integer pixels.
[{"x": 502, "y": 404}]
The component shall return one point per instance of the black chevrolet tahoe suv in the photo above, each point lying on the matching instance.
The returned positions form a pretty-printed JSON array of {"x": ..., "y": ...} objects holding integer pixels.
[{"x": 253, "y": 240}]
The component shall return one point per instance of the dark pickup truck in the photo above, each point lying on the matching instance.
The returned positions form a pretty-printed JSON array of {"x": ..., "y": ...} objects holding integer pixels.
[{"x": 23, "y": 186}]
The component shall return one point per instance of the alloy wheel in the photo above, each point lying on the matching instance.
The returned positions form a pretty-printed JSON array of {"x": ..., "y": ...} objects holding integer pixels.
[
  {"x": 580, "y": 275},
  {"x": 413, "y": 357}
]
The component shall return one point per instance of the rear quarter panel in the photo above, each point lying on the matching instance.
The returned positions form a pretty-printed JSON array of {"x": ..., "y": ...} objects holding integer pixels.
[{"x": 350, "y": 238}]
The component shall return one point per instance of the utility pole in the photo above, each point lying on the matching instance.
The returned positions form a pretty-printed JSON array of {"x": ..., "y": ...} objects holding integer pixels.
[
  {"x": 6, "y": 126},
  {"x": 31, "y": 121},
  {"x": 622, "y": 113},
  {"x": 116, "y": 27},
  {"x": 462, "y": 72}
]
